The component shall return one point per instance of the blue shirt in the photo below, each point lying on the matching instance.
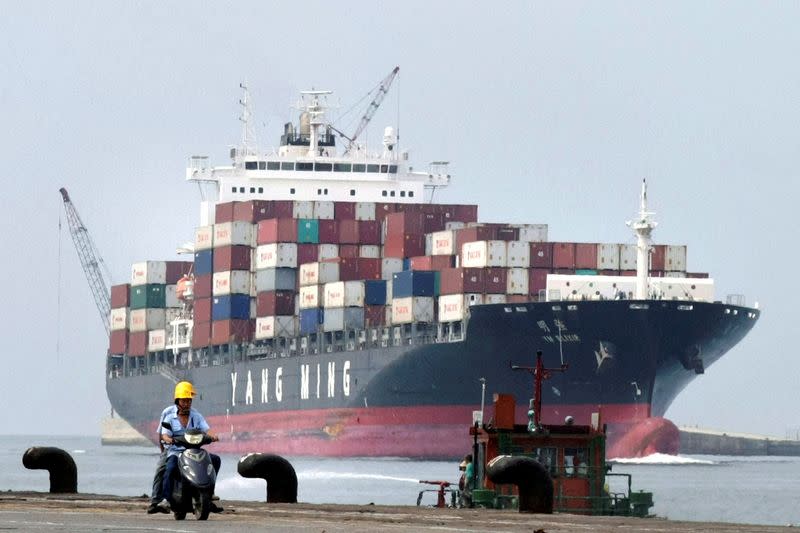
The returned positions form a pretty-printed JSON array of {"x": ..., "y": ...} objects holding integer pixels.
[{"x": 170, "y": 416}]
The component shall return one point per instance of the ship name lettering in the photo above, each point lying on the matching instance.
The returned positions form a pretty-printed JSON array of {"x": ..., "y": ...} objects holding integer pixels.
[
  {"x": 248, "y": 394},
  {"x": 279, "y": 383},
  {"x": 331, "y": 378},
  {"x": 319, "y": 379},
  {"x": 264, "y": 385},
  {"x": 304, "y": 382},
  {"x": 346, "y": 378},
  {"x": 233, "y": 388}
]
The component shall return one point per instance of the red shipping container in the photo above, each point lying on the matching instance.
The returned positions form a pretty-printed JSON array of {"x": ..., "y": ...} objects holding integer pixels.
[
  {"x": 328, "y": 232},
  {"x": 277, "y": 230},
  {"x": 563, "y": 255},
  {"x": 374, "y": 315},
  {"x": 120, "y": 296},
  {"x": 226, "y": 331},
  {"x": 236, "y": 257},
  {"x": 348, "y": 269},
  {"x": 402, "y": 246},
  {"x": 420, "y": 262},
  {"x": 348, "y": 250},
  {"x": 537, "y": 280},
  {"x": 253, "y": 211},
  {"x": 506, "y": 233},
  {"x": 586, "y": 255},
  {"x": 432, "y": 262},
  {"x": 202, "y": 309},
  {"x": 118, "y": 342},
  {"x": 542, "y": 254},
  {"x": 201, "y": 334},
  {"x": 369, "y": 232},
  {"x": 406, "y": 223},
  {"x": 433, "y": 222},
  {"x": 283, "y": 209},
  {"x": 203, "y": 285},
  {"x": 517, "y": 298},
  {"x": 381, "y": 210},
  {"x": 494, "y": 280},
  {"x": 475, "y": 233},
  {"x": 658, "y": 257},
  {"x": 462, "y": 280},
  {"x": 465, "y": 213},
  {"x": 177, "y": 269},
  {"x": 369, "y": 268},
  {"x": 627, "y": 273},
  {"x": 137, "y": 343},
  {"x": 307, "y": 253},
  {"x": 273, "y": 303},
  {"x": 223, "y": 212},
  {"x": 344, "y": 210},
  {"x": 348, "y": 232}
]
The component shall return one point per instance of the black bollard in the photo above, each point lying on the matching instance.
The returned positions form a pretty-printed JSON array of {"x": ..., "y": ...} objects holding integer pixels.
[
  {"x": 276, "y": 471},
  {"x": 63, "y": 472},
  {"x": 533, "y": 482}
]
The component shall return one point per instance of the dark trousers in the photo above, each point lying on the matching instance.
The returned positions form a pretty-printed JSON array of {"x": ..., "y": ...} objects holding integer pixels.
[
  {"x": 172, "y": 465},
  {"x": 158, "y": 480}
]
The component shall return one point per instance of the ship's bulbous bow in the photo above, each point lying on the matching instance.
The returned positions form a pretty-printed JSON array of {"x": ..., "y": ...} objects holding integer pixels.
[{"x": 643, "y": 438}]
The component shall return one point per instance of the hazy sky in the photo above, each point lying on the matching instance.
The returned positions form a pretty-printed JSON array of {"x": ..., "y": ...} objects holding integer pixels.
[{"x": 550, "y": 113}]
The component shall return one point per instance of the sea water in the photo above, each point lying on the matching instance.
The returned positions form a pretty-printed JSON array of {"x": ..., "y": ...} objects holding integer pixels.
[{"x": 753, "y": 490}]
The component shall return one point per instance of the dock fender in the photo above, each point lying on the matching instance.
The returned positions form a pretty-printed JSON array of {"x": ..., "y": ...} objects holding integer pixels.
[
  {"x": 276, "y": 471},
  {"x": 60, "y": 465},
  {"x": 533, "y": 482}
]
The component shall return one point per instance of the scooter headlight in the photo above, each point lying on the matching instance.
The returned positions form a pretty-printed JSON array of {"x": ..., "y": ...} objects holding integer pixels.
[{"x": 194, "y": 438}]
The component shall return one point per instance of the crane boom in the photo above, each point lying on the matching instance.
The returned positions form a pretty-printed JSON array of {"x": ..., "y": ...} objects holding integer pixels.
[
  {"x": 383, "y": 88},
  {"x": 90, "y": 259}
]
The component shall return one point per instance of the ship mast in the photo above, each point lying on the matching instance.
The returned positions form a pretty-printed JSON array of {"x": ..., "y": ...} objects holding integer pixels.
[
  {"x": 316, "y": 112},
  {"x": 249, "y": 144},
  {"x": 643, "y": 227}
]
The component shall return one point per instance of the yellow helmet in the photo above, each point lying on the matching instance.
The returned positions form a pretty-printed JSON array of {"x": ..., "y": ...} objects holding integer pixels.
[{"x": 184, "y": 389}]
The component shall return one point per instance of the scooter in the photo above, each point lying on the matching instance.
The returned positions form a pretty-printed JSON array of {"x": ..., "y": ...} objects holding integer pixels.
[{"x": 193, "y": 488}]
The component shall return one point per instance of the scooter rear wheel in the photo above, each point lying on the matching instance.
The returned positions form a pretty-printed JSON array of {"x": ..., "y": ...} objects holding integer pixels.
[{"x": 202, "y": 505}]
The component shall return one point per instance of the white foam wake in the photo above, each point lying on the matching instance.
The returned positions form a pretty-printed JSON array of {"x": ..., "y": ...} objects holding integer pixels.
[{"x": 661, "y": 459}]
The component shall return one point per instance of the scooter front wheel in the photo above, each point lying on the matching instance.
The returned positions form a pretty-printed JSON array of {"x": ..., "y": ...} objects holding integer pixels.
[{"x": 202, "y": 505}]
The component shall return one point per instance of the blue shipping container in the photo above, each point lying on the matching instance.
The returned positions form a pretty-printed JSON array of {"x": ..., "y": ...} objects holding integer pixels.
[
  {"x": 310, "y": 319},
  {"x": 413, "y": 283},
  {"x": 375, "y": 292},
  {"x": 233, "y": 306},
  {"x": 203, "y": 262}
]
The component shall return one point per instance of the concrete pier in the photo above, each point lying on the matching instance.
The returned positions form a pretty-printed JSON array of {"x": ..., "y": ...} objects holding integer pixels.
[{"x": 695, "y": 441}]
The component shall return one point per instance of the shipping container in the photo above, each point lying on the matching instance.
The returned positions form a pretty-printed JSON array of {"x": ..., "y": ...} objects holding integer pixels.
[
  {"x": 462, "y": 280},
  {"x": 465, "y": 213},
  {"x": 344, "y": 210},
  {"x": 563, "y": 255},
  {"x": 627, "y": 257},
  {"x": 231, "y": 282},
  {"x": 202, "y": 310},
  {"x": 156, "y": 340},
  {"x": 413, "y": 283},
  {"x": 608, "y": 256},
  {"x": 537, "y": 280},
  {"x": 390, "y": 265},
  {"x": 152, "y": 295},
  {"x": 118, "y": 342},
  {"x": 369, "y": 232},
  {"x": 328, "y": 232},
  {"x": 276, "y": 279},
  {"x": 343, "y": 318},
  {"x": 506, "y": 233},
  {"x": 118, "y": 318},
  {"x": 473, "y": 234},
  {"x": 349, "y": 251},
  {"x": 273, "y": 230},
  {"x": 233, "y": 233},
  {"x": 412, "y": 309},
  {"x": 495, "y": 280},
  {"x": 231, "y": 331},
  {"x": 175, "y": 270},
  {"x": 517, "y": 281},
  {"x": 658, "y": 257},
  {"x": 675, "y": 258},
  {"x": 223, "y": 212},
  {"x": 375, "y": 292},
  {"x": 171, "y": 297},
  {"x": 324, "y": 210},
  {"x": 203, "y": 238},
  {"x": 433, "y": 222},
  {"x": 484, "y": 254},
  {"x": 542, "y": 254},
  {"x": 348, "y": 232},
  {"x": 452, "y": 307},
  {"x": 276, "y": 255},
  {"x": 236, "y": 257},
  {"x": 311, "y": 296},
  {"x": 494, "y": 299},
  {"x": 137, "y": 343},
  {"x": 307, "y": 253},
  {"x": 232, "y": 306},
  {"x": 121, "y": 295},
  {"x": 310, "y": 320},
  {"x": 374, "y": 315},
  {"x": 533, "y": 233},
  {"x": 148, "y": 272},
  {"x": 269, "y": 327},
  {"x": 203, "y": 262},
  {"x": 365, "y": 211},
  {"x": 400, "y": 246},
  {"x": 431, "y": 262},
  {"x": 203, "y": 286},
  {"x": 201, "y": 334},
  {"x": 344, "y": 294},
  {"x": 382, "y": 210},
  {"x": 369, "y": 251},
  {"x": 585, "y": 255},
  {"x": 307, "y": 230},
  {"x": 405, "y": 223},
  {"x": 269, "y": 303},
  {"x": 303, "y": 209},
  {"x": 146, "y": 319},
  {"x": 518, "y": 254},
  {"x": 253, "y": 211},
  {"x": 327, "y": 251},
  {"x": 318, "y": 273},
  {"x": 443, "y": 243}
]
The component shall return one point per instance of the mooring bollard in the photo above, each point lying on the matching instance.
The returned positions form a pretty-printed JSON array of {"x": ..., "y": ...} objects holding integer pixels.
[
  {"x": 63, "y": 472},
  {"x": 531, "y": 478},
  {"x": 276, "y": 471}
]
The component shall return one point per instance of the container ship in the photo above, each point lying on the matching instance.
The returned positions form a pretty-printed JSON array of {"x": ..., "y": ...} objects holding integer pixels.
[{"x": 330, "y": 310}]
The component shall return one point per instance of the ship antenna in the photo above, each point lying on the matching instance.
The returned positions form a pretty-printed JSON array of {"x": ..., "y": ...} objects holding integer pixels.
[
  {"x": 643, "y": 227},
  {"x": 249, "y": 142}
]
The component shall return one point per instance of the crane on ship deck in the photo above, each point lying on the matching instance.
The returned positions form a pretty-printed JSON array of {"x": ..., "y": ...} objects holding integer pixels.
[{"x": 90, "y": 260}]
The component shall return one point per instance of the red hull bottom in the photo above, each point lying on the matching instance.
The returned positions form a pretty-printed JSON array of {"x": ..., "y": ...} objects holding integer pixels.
[{"x": 430, "y": 432}]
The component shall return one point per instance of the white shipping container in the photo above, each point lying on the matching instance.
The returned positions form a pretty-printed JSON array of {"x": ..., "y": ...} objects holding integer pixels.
[
  {"x": 203, "y": 238},
  {"x": 303, "y": 209},
  {"x": 118, "y": 318},
  {"x": 230, "y": 282},
  {"x": 236, "y": 233},
  {"x": 517, "y": 281},
  {"x": 533, "y": 233},
  {"x": 148, "y": 272},
  {"x": 675, "y": 259},
  {"x": 390, "y": 266},
  {"x": 494, "y": 299},
  {"x": 443, "y": 243},
  {"x": 693, "y": 289},
  {"x": 480, "y": 254},
  {"x": 452, "y": 307},
  {"x": 365, "y": 211},
  {"x": 518, "y": 254},
  {"x": 327, "y": 251},
  {"x": 309, "y": 274},
  {"x": 311, "y": 296},
  {"x": 412, "y": 309},
  {"x": 608, "y": 256},
  {"x": 276, "y": 255},
  {"x": 343, "y": 318},
  {"x": 323, "y": 210},
  {"x": 276, "y": 279},
  {"x": 371, "y": 251},
  {"x": 146, "y": 319},
  {"x": 269, "y": 327},
  {"x": 627, "y": 257},
  {"x": 344, "y": 294},
  {"x": 171, "y": 297},
  {"x": 454, "y": 224},
  {"x": 156, "y": 340},
  {"x": 428, "y": 244}
]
